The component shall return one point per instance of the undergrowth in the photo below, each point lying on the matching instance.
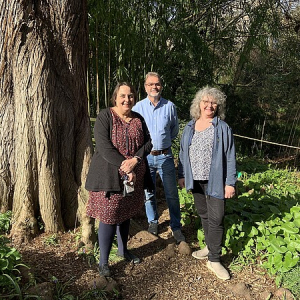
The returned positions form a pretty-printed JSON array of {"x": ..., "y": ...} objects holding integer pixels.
[{"x": 262, "y": 222}]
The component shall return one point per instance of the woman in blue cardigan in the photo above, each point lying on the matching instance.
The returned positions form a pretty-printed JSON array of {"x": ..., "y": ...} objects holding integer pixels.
[{"x": 207, "y": 167}]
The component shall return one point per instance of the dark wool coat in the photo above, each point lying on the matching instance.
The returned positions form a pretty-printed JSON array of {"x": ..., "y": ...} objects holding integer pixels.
[{"x": 103, "y": 174}]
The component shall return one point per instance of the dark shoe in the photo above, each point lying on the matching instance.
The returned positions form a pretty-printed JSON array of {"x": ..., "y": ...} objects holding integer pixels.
[
  {"x": 178, "y": 236},
  {"x": 104, "y": 270},
  {"x": 153, "y": 228},
  {"x": 130, "y": 257}
]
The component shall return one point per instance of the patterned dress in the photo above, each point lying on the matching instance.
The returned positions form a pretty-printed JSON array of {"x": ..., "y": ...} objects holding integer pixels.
[{"x": 127, "y": 138}]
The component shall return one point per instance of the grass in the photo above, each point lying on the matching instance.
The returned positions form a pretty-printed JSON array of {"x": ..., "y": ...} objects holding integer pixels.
[{"x": 291, "y": 281}]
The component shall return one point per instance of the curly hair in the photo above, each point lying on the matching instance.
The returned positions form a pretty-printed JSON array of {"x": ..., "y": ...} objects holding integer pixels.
[
  {"x": 216, "y": 94},
  {"x": 116, "y": 90}
]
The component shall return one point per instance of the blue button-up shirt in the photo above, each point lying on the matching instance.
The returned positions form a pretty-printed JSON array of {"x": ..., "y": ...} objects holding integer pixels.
[{"x": 162, "y": 121}]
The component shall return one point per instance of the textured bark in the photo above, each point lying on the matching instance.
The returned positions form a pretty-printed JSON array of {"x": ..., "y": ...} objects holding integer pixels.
[{"x": 45, "y": 139}]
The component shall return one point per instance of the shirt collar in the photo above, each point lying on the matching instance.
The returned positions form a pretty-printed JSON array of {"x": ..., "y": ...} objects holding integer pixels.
[{"x": 158, "y": 103}]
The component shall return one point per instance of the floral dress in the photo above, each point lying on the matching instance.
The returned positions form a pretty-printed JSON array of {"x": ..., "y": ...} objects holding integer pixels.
[{"x": 127, "y": 138}]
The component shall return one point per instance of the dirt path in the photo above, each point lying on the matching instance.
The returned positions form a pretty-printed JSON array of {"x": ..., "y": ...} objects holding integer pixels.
[{"x": 163, "y": 274}]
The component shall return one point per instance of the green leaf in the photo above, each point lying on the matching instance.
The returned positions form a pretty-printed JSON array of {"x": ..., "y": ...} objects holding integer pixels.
[
  {"x": 278, "y": 258},
  {"x": 297, "y": 222},
  {"x": 3, "y": 264},
  {"x": 276, "y": 244},
  {"x": 253, "y": 232},
  {"x": 289, "y": 228},
  {"x": 290, "y": 260}
]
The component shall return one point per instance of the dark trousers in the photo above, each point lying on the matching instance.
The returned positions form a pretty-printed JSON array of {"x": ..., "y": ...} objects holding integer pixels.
[
  {"x": 106, "y": 234},
  {"x": 211, "y": 211}
]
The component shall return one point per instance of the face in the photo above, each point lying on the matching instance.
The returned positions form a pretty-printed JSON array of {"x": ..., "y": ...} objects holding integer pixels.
[
  {"x": 125, "y": 99},
  {"x": 153, "y": 86},
  {"x": 208, "y": 106}
]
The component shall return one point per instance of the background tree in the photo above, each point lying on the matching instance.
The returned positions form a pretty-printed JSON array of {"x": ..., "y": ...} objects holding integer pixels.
[
  {"x": 45, "y": 142},
  {"x": 246, "y": 47}
]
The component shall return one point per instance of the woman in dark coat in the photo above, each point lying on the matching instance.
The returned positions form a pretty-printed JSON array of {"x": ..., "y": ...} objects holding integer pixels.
[{"x": 122, "y": 144}]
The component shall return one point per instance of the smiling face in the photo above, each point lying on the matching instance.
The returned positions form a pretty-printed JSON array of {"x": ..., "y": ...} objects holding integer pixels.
[
  {"x": 153, "y": 87},
  {"x": 208, "y": 106},
  {"x": 124, "y": 100}
]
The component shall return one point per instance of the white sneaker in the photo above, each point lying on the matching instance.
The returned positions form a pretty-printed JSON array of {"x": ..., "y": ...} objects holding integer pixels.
[
  {"x": 218, "y": 269},
  {"x": 201, "y": 254}
]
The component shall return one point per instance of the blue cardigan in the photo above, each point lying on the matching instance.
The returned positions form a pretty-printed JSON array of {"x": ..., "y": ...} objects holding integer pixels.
[{"x": 223, "y": 164}]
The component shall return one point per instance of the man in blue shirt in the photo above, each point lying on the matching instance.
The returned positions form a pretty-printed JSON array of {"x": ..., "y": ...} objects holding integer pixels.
[{"x": 162, "y": 121}]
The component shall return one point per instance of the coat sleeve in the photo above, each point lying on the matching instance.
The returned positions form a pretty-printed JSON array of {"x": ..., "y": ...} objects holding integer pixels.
[
  {"x": 182, "y": 155},
  {"x": 231, "y": 159},
  {"x": 104, "y": 145}
]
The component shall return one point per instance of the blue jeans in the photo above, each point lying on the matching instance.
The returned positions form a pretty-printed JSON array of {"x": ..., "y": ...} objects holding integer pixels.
[
  {"x": 164, "y": 164},
  {"x": 211, "y": 211}
]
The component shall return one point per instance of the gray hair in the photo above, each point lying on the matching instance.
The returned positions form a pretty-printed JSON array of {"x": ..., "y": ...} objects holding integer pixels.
[
  {"x": 216, "y": 94},
  {"x": 153, "y": 74}
]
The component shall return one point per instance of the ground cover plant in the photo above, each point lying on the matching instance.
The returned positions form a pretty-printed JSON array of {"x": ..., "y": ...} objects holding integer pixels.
[
  {"x": 262, "y": 223},
  {"x": 10, "y": 260}
]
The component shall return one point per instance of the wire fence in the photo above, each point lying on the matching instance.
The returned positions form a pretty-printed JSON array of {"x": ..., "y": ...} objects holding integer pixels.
[
  {"x": 245, "y": 137},
  {"x": 267, "y": 142}
]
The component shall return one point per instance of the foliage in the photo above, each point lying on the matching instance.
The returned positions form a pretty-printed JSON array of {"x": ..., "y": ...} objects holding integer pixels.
[
  {"x": 16, "y": 292},
  {"x": 176, "y": 141},
  {"x": 188, "y": 211},
  {"x": 51, "y": 240},
  {"x": 99, "y": 294},
  {"x": 90, "y": 255},
  {"x": 262, "y": 225},
  {"x": 9, "y": 261},
  {"x": 95, "y": 294},
  {"x": 249, "y": 48},
  {"x": 290, "y": 280},
  {"x": 5, "y": 219},
  {"x": 60, "y": 289}
]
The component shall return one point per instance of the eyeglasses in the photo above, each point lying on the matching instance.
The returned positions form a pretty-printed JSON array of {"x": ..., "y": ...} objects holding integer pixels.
[
  {"x": 153, "y": 84},
  {"x": 206, "y": 102}
]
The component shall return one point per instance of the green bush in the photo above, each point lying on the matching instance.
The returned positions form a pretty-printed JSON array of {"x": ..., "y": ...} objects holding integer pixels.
[{"x": 5, "y": 219}]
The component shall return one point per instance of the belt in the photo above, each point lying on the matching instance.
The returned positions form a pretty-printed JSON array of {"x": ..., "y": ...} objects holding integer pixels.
[{"x": 159, "y": 152}]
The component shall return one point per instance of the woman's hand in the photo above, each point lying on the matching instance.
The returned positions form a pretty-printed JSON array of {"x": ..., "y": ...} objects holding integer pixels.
[
  {"x": 129, "y": 164},
  {"x": 131, "y": 177},
  {"x": 229, "y": 191},
  {"x": 181, "y": 183}
]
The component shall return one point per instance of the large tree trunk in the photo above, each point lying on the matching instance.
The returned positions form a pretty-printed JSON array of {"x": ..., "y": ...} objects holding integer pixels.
[{"x": 45, "y": 139}]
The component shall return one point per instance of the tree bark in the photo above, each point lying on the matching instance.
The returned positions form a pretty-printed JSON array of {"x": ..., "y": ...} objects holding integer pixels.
[{"x": 45, "y": 139}]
